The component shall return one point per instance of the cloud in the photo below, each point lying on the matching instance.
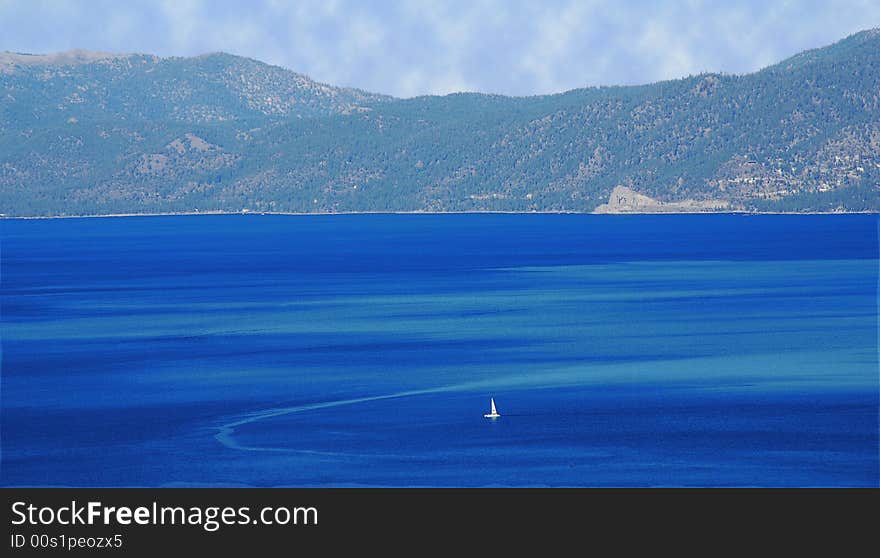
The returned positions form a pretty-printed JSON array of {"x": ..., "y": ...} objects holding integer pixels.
[{"x": 413, "y": 47}]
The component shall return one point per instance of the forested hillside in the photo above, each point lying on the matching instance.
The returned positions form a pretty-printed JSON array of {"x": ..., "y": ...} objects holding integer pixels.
[{"x": 89, "y": 133}]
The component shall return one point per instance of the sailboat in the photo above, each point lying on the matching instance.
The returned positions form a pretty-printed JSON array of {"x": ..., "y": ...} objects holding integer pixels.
[{"x": 494, "y": 414}]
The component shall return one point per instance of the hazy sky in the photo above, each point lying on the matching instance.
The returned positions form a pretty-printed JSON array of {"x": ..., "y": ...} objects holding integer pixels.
[{"x": 407, "y": 48}]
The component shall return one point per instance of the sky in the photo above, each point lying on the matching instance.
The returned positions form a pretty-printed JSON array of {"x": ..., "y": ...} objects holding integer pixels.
[{"x": 407, "y": 48}]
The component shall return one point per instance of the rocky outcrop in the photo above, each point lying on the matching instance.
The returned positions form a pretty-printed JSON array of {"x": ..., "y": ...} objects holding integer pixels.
[{"x": 627, "y": 200}]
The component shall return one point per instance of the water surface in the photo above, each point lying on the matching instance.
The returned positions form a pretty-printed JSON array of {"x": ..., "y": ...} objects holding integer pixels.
[{"x": 694, "y": 350}]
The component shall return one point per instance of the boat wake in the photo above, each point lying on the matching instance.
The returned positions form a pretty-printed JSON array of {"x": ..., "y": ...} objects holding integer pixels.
[
  {"x": 226, "y": 432},
  {"x": 564, "y": 376}
]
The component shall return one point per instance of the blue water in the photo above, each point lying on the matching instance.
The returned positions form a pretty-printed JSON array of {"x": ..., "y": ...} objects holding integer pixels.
[{"x": 702, "y": 350}]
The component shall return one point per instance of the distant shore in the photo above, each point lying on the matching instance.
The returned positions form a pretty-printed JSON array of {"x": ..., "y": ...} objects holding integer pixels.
[{"x": 469, "y": 212}]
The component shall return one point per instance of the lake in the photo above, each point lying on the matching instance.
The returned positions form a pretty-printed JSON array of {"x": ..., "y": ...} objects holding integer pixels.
[{"x": 362, "y": 350}]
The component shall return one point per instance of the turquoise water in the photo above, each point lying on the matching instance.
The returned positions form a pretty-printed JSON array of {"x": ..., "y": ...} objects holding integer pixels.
[{"x": 721, "y": 350}]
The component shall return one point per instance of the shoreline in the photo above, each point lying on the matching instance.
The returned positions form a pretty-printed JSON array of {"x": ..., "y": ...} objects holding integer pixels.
[{"x": 469, "y": 212}]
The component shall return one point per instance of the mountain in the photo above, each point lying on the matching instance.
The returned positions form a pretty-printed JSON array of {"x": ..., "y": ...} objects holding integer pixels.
[{"x": 97, "y": 133}]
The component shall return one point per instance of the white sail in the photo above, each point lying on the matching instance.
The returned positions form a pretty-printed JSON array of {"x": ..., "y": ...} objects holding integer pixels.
[{"x": 494, "y": 414}]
